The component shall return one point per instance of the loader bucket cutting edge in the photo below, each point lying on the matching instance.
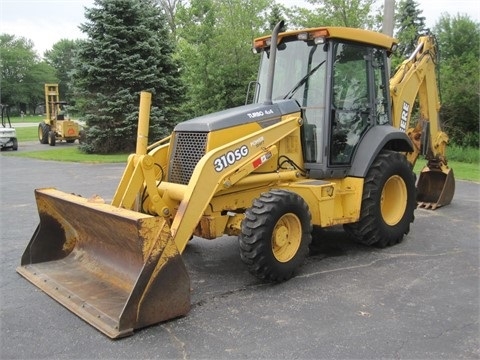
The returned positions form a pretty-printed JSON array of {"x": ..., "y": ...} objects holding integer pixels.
[
  {"x": 435, "y": 188},
  {"x": 117, "y": 269}
]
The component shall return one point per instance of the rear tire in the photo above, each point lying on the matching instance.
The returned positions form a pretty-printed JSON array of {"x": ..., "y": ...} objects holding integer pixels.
[
  {"x": 275, "y": 235},
  {"x": 43, "y": 130},
  {"x": 388, "y": 202}
]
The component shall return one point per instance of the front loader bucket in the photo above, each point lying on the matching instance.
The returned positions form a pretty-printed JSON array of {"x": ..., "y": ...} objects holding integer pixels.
[
  {"x": 435, "y": 188},
  {"x": 117, "y": 269}
]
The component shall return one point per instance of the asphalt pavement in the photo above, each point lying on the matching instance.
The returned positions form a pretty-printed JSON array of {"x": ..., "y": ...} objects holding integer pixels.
[{"x": 416, "y": 300}]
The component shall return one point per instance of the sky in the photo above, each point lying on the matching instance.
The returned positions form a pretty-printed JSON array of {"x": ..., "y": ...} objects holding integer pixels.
[{"x": 45, "y": 22}]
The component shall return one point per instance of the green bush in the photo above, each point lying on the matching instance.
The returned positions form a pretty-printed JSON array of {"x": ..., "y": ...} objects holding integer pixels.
[
  {"x": 465, "y": 154},
  {"x": 470, "y": 139}
]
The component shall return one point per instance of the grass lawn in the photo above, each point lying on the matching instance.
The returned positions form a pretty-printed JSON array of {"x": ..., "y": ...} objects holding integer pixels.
[
  {"x": 70, "y": 154},
  {"x": 34, "y": 119},
  {"x": 26, "y": 119},
  {"x": 27, "y": 133}
]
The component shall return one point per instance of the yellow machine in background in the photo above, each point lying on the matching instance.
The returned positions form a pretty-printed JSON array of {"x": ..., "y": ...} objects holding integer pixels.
[
  {"x": 57, "y": 126},
  {"x": 317, "y": 147}
]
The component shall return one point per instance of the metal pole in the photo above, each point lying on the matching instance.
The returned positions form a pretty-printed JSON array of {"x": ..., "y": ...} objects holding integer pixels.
[
  {"x": 388, "y": 22},
  {"x": 143, "y": 122},
  {"x": 388, "y": 17}
]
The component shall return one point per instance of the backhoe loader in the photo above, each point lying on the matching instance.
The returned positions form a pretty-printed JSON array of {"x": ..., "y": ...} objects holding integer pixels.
[{"x": 317, "y": 147}]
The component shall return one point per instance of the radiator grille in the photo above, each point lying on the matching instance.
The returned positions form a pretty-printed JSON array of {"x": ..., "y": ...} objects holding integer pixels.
[{"x": 188, "y": 149}]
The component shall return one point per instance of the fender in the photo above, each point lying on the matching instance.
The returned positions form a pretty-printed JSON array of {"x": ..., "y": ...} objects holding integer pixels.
[{"x": 376, "y": 139}]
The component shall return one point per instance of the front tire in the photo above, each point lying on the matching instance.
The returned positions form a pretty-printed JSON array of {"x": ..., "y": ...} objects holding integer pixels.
[
  {"x": 51, "y": 138},
  {"x": 388, "y": 202},
  {"x": 275, "y": 235},
  {"x": 43, "y": 130}
]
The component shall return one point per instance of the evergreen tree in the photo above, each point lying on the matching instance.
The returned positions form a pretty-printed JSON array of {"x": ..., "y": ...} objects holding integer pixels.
[
  {"x": 276, "y": 15},
  {"x": 129, "y": 49},
  {"x": 410, "y": 25}
]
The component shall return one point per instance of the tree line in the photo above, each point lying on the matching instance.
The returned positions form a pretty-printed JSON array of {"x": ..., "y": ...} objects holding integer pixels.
[{"x": 195, "y": 57}]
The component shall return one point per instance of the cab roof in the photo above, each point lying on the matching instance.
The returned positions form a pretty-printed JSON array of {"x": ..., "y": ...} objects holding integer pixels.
[{"x": 335, "y": 32}]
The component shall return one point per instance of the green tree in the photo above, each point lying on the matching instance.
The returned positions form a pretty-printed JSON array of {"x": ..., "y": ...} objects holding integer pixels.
[
  {"x": 215, "y": 41},
  {"x": 39, "y": 74},
  {"x": 459, "y": 43},
  {"x": 196, "y": 48},
  {"x": 410, "y": 24},
  {"x": 128, "y": 49},
  {"x": 170, "y": 7},
  {"x": 60, "y": 57},
  {"x": 22, "y": 74},
  {"x": 352, "y": 13}
]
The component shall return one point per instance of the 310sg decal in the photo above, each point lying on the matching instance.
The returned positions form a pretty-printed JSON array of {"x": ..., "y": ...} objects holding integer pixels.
[{"x": 230, "y": 158}]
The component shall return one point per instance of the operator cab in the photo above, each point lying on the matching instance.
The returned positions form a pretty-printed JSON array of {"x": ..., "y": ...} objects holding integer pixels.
[
  {"x": 341, "y": 86},
  {"x": 59, "y": 110}
]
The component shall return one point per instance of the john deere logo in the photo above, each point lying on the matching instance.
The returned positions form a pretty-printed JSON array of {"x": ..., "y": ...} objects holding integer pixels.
[{"x": 404, "y": 116}]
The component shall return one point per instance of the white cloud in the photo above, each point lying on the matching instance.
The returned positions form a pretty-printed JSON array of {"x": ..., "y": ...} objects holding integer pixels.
[
  {"x": 45, "y": 22},
  {"x": 43, "y": 33}
]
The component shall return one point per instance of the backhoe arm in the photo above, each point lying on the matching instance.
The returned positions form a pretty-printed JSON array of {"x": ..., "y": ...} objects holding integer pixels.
[{"x": 416, "y": 79}]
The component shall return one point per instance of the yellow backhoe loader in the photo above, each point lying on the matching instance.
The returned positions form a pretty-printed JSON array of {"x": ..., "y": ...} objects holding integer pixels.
[
  {"x": 57, "y": 126},
  {"x": 317, "y": 147}
]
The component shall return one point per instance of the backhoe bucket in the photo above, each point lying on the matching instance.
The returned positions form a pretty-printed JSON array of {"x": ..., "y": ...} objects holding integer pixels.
[
  {"x": 117, "y": 269},
  {"x": 435, "y": 188}
]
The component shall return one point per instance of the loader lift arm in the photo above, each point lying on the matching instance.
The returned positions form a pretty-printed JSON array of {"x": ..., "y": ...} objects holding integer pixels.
[
  {"x": 416, "y": 78},
  {"x": 206, "y": 181}
]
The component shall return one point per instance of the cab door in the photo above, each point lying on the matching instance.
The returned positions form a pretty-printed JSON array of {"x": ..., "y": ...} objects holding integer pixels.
[{"x": 351, "y": 100}]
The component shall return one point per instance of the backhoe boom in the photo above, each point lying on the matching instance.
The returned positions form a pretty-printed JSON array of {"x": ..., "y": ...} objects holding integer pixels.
[{"x": 415, "y": 79}]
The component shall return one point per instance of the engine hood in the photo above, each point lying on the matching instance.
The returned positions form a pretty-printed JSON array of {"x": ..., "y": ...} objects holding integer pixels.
[{"x": 264, "y": 115}]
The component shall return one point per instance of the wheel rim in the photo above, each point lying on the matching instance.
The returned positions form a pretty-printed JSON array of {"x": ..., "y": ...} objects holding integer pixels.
[
  {"x": 40, "y": 133},
  {"x": 394, "y": 200},
  {"x": 286, "y": 237}
]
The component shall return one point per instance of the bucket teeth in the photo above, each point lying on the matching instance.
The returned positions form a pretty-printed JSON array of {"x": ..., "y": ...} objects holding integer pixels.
[{"x": 435, "y": 188}]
